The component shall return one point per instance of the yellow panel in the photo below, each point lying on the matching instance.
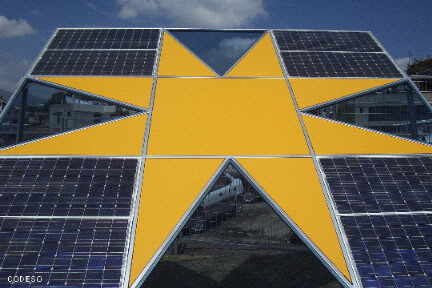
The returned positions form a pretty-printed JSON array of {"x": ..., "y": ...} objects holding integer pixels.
[
  {"x": 260, "y": 61},
  {"x": 131, "y": 90},
  {"x": 224, "y": 117},
  {"x": 309, "y": 92},
  {"x": 176, "y": 60},
  {"x": 294, "y": 185},
  {"x": 122, "y": 137},
  {"x": 169, "y": 188},
  {"x": 329, "y": 137}
]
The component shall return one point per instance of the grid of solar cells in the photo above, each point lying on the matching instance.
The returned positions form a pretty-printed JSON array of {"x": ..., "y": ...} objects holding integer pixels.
[
  {"x": 105, "y": 39},
  {"x": 62, "y": 252},
  {"x": 374, "y": 185},
  {"x": 391, "y": 250},
  {"x": 326, "y": 41},
  {"x": 101, "y": 62},
  {"x": 66, "y": 187},
  {"x": 334, "y": 64}
]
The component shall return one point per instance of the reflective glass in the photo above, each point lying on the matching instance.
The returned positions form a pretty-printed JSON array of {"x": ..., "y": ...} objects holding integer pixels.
[
  {"x": 219, "y": 49},
  {"x": 397, "y": 110},
  {"x": 40, "y": 110},
  {"x": 235, "y": 239}
]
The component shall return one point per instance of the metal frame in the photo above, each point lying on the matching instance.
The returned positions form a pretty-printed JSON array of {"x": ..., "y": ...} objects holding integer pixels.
[
  {"x": 140, "y": 174},
  {"x": 177, "y": 229},
  {"x": 130, "y": 237},
  {"x": 228, "y": 159},
  {"x": 331, "y": 206}
]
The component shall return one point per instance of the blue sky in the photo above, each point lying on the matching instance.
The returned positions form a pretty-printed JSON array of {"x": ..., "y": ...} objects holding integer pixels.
[{"x": 403, "y": 27}]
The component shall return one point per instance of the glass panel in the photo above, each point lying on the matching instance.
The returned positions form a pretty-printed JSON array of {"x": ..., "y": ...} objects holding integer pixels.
[
  {"x": 219, "y": 49},
  {"x": 396, "y": 110},
  {"x": 40, "y": 110},
  {"x": 235, "y": 239}
]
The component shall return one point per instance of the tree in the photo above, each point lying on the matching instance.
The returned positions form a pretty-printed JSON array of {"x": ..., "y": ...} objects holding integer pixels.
[{"x": 420, "y": 67}]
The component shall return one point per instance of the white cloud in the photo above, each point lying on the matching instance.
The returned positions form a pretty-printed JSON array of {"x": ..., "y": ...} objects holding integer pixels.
[
  {"x": 236, "y": 45},
  {"x": 14, "y": 28},
  {"x": 403, "y": 62},
  {"x": 11, "y": 70},
  {"x": 193, "y": 13}
]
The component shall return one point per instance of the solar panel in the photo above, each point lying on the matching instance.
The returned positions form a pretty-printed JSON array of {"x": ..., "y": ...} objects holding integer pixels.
[
  {"x": 105, "y": 39},
  {"x": 391, "y": 250},
  {"x": 62, "y": 252},
  {"x": 84, "y": 62},
  {"x": 326, "y": 41},
  {"x": 373, "y": 185},
  {"x": 335, "y": 64},
  {"x": 66, "y": 187}
]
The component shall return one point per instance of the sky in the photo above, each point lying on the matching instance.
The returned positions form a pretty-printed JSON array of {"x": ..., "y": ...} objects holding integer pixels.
[{"x": 404, "y": 27}]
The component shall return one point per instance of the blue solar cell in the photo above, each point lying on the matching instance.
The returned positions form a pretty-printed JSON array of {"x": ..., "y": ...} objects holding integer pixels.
[
  {"x": 61, "y": 254},
  {"x": 74, "y": 187},
  {"x": 373, "y": 185},
  {"x": 397, "y": 257}
]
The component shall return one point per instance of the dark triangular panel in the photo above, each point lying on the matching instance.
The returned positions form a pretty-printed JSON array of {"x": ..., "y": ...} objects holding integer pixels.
[
  {"x": 235, "y": 239},
  {"x": 39, "y": 110},
  {"x": 219, "y": 49},
  {"x": 397, "y": 110}
]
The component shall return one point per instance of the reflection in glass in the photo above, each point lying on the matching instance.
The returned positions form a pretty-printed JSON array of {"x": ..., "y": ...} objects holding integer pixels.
[
  {"x": 40, "y": 110},
  {"x": 219, "y": 49},
  {"x": 397, "y": 110},
  {"x": 235, "y": 239}
]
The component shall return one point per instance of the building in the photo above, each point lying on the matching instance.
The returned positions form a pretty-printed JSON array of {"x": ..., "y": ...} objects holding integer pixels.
[
  {"x": 323, "y": 124},
  {"x": 424, "y": 84}
]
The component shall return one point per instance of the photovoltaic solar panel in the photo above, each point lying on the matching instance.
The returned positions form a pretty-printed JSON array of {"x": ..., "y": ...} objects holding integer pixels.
[
  {"x": 66, "y": 187},
  {"x": 62, "y": 252},
  {"x": 85, "y": 62},
  {"x": 105, "y": 39},
  {"x": 373, "y": 185},
  {"x": 326, "y": 41},
  {"x": 334, "y": 64},
  {"x": 391, "y": 250}
]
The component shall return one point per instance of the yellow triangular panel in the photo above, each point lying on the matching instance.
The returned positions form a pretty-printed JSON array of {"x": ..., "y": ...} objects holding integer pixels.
[
  {"x": 116, "y": 138},
  {"x": 294, "y": 185},
  {"x": 329, "y": 137},
  {"x": 170, "y": 186},
  {"x": 225, "y": 117},
  {"x": 309, "y": 92},
  {"x": 260, "y": 61},
  {"x": 176, "y": 60},
  {"x": 131, "y": 90}
]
